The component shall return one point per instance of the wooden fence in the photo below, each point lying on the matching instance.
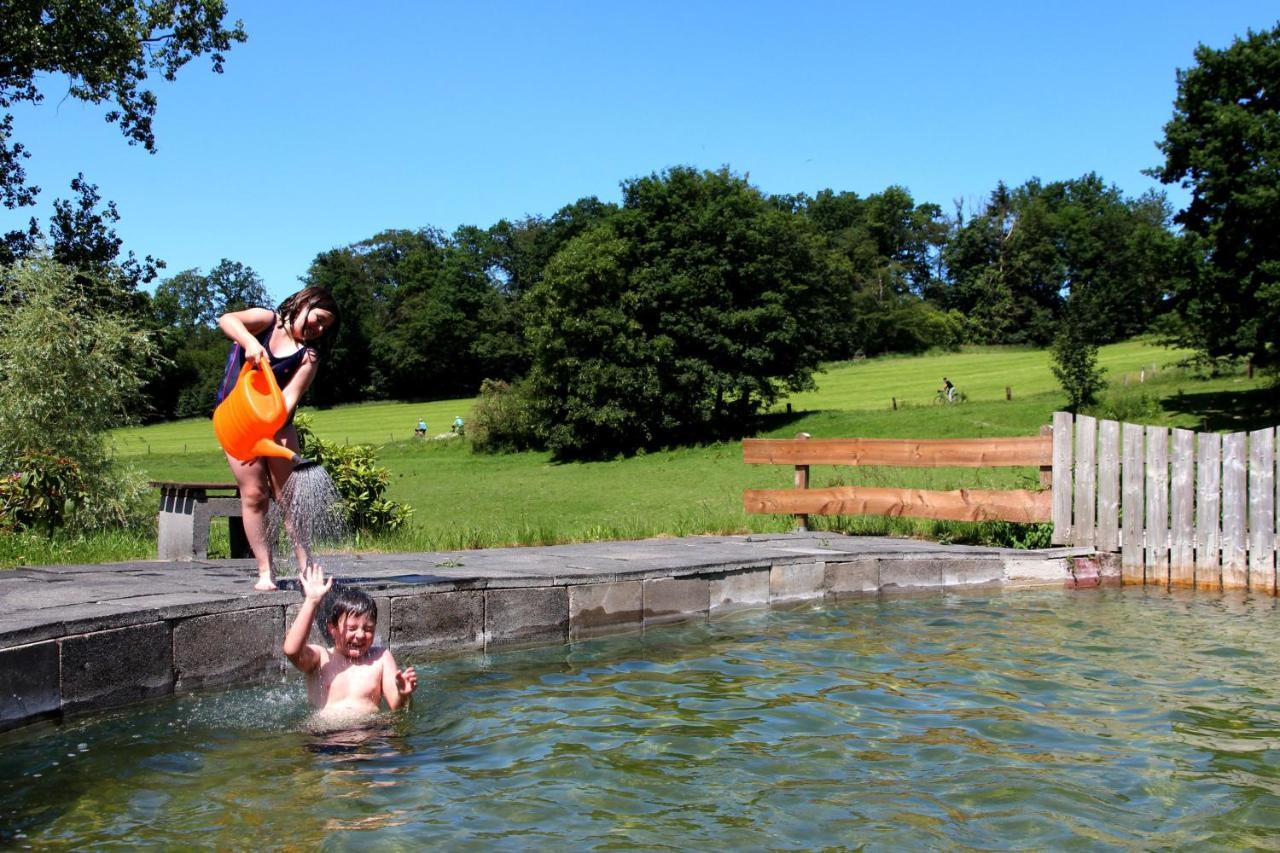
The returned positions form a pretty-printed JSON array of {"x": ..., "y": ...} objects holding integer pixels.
[{"x": 1181, "y": 508}]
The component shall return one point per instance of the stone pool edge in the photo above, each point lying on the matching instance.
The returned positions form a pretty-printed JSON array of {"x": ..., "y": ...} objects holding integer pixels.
[{"x": 51, "y": 668}]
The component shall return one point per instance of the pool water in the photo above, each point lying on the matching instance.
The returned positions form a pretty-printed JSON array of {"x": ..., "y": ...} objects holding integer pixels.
[{"x": 1047, "y": 719}]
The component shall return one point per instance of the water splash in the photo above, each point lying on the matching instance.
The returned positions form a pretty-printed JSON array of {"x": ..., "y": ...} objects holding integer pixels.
[{"x": 310, "y": 518}]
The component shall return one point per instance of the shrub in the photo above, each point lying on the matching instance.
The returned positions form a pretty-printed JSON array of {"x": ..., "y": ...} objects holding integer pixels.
[
  {"x": 358, "y": 478},
  {"x": 1135, "y": 407},
  {"x": 501, "y": 420},
  {"x": 69, "y": 371}
]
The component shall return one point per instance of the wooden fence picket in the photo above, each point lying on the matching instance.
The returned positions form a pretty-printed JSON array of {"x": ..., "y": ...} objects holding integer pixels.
[
  {"x": 1182, "y": 566},
  {"x": 1157, "y": 506},
  {"x": 1108, "y": 528},
  {"x": 1208, "y": 511},
  {"x": 1235, "y": 574},
  {"x": 1132, "y": 505},
  {"x": 1062, "y": 441},
  {"x": 1262, "y": 516},
  {"x": 1082, "y": 522}
]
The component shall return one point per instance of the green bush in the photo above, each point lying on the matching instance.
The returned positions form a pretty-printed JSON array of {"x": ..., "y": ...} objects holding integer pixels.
[
  {"x": 42, "y": 493},
  {"x": 501, "y": 421},
  {"x": 69, "y": 371},
  {"x": 358, "y": 478},
  {"x": 1137, "y": 407}
]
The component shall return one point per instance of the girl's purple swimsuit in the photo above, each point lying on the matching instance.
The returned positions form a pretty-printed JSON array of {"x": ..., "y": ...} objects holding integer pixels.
[{"x": 283, "y": 367}]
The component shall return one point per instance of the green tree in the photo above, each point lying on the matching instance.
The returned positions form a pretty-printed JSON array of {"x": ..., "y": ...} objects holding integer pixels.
[
  {"x": 353, "y": 279},
  {"x": 1074, "y": 357},
  {"x": 1034, "y": 251},
  {"x": 69, "y": 371},
  {"x": 82, "y": 235},
  {"x": 102, "y": 51},
  {"x": 191, "y": 300},
  {"x": 1223, "y": 143},
  {"x": 679, "y": 318}
]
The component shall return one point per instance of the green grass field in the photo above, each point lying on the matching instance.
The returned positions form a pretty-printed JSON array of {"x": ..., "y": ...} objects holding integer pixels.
[{"x": 465, "y": 500}]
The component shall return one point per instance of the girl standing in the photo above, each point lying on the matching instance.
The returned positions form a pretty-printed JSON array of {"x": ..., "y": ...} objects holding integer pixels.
[{"x": 285, "y": 340}]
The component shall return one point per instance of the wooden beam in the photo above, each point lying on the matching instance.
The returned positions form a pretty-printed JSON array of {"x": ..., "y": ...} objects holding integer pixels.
[
  {"x": 962, "y": 505},
  {"x": 1032, "y": 451}
]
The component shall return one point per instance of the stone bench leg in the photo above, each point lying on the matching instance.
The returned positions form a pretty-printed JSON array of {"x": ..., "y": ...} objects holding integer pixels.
[
  {"x": 184, "y": 525},
  {"x": 177, "y": 525}
]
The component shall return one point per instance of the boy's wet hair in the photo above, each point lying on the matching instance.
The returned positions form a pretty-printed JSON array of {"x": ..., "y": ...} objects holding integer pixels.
[
  {"x": 306, "y": 299},
  {"x": 346, "y": 601}
]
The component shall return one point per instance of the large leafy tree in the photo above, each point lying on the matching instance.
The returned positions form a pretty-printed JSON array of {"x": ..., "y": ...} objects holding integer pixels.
[
  {"x": 1223, "y": 143},
  {"x": 442, "y": 303},
  {"x": 105, "y": 51},
  {"x": 423, "y": 316},
  {"x": 678, "y": 318},
  {"x": 890, "y": 246},
  {"x": 1032, "y": 251}
]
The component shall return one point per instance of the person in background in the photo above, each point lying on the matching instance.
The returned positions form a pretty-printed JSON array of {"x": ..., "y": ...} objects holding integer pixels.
[
  {"x": 284, "y": 340},
  {"x": 421, "y": 429}
]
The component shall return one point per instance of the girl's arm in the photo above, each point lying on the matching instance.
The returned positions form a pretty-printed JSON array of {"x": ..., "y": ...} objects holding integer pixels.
[
  {"x": 397, "y": 686},
  {"x": 301, "y": 379},
  {"x": 242, "y": 326}
]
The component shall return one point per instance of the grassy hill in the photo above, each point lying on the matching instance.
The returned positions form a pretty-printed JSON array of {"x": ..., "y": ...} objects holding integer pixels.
[{"x": 467, "y": 500}]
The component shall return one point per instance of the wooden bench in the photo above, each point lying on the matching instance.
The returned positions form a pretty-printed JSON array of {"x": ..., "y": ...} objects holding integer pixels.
[
  {"x": 958, "y": 505},
  {"x": 185, "y": 512}
]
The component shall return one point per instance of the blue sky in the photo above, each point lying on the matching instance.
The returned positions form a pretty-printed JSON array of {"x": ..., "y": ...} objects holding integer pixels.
[{"x": 338, "y": 120}]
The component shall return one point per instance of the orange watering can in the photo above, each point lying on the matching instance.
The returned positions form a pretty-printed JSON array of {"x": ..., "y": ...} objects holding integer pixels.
[{"x": 247, "y": 420}]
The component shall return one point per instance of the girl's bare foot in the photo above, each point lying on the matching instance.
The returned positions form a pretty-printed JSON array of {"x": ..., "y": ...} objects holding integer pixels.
[{"x": 265, "y": 583}]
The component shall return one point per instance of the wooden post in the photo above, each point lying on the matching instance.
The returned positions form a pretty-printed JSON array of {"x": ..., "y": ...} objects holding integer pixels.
[
  {"x": 802, "y": 482},
  {"x": 1008, "y": 392},
  {"x": 895, "y": 403}
]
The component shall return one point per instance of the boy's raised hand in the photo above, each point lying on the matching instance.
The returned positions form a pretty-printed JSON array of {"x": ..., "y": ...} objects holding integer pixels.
[
  {"x": 406, "y": 681},
  {"x": 314, "y": 583}
]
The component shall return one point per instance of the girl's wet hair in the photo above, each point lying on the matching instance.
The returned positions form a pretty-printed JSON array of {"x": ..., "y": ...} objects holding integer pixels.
[
  {"x": 303, "y": 301},
  {"x": 346, "y": 601}
]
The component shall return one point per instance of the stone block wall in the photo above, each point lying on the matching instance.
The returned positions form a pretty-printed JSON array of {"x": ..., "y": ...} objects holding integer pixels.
[{"x": 131, "y": 657}]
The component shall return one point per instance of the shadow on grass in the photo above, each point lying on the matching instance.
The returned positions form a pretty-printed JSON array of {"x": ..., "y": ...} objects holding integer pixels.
[
  {"x": 1228, "y": 411},
  {"x": 775, "y": 420}
]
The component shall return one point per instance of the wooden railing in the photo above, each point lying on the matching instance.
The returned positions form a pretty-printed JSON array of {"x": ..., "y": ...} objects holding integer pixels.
[{"x": 958, "y": 505}]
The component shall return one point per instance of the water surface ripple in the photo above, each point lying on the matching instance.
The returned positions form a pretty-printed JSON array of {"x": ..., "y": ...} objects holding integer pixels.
[{"x": 1052, "y": 719}]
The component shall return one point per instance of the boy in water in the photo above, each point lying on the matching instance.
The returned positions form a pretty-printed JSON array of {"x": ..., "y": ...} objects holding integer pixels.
[{"x": 351, "y": 678}]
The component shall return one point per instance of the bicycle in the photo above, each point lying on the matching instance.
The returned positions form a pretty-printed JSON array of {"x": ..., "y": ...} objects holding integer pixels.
[{"x": 942, "y": 399}]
